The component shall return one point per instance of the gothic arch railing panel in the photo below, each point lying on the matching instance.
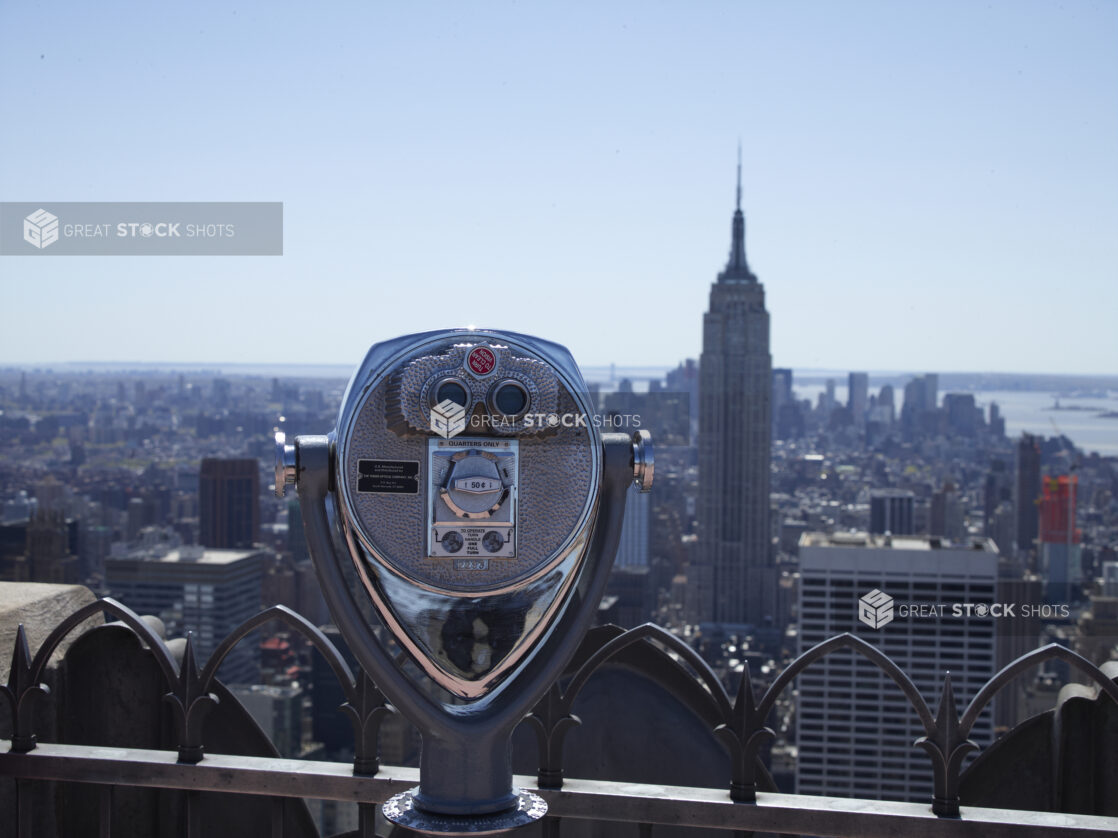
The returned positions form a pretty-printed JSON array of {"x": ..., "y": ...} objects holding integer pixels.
[
  {"x": 1030, "y": 659},
  {"x": 872, "y": 653},
  {"x": 650, "y": 632},
  {"x": 26, "y": 673},
  {"x": 365, "y": 706},
  {"x": 551, "y": 720},
  {"x": 741, "y": 722}
]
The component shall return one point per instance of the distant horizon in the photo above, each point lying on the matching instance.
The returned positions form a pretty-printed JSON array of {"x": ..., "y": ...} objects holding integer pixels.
[{"x": 620, "y": 370}]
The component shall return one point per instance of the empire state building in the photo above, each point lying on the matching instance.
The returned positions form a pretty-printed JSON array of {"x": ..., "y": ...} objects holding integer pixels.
[{"x": 735, "y": 389}]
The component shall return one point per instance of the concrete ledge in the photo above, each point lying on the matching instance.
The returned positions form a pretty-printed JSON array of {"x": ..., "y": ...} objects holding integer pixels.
[{"x": 40, "y": 608}]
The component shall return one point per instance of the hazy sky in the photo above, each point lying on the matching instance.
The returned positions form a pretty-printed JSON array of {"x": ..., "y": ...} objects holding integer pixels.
[{"x": 927, "y": 185}]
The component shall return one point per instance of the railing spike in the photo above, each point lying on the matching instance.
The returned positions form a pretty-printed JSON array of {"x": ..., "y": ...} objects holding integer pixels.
[
  {"x": 947, "y": 748},
  {"x": 367, "y": 711},
  {"x": 191, "y": 703},
  {"x": 21, "y": 690},
  {"x": 948, "y": 712},
  {"x": 744, "y": 732},
  {"x": 21, "y": 655}
]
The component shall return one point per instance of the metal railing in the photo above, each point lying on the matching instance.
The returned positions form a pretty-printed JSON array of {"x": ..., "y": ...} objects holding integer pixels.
[{"x": 741, "y": 807}]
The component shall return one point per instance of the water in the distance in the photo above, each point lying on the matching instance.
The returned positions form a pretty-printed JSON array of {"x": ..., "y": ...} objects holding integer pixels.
[{"x": 1080, "y": 419}]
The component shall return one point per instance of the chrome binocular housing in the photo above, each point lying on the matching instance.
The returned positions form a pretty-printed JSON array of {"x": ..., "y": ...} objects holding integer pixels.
[{"x": 470, "y": 498}]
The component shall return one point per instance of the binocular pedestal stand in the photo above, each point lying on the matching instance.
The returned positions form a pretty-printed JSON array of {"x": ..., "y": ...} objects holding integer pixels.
[{"x": 465, "y": 783}]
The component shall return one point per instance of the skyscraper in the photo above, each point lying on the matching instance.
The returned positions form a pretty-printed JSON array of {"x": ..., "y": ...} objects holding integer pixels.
[
  {"x": 735, "y": 389},
  {"x": 1026, "y": 496},
  {"x": 48, "y": 556},
  {"x": 632, "y": 549},
  {"x": 788, "y": 414},
  {"x": 892, "y": 511},
  {"x": 1060, "y": 551},
  {"x": 229, "y": 503},
  {"x": 856, "y": 728},
  {"x": 782, "y": 389},
  {"x": 885, "y": 411},
  {"x": 945, "y": 517},
  {"x": 918, "y": 413},
  {"x": 857, "y": 400}
]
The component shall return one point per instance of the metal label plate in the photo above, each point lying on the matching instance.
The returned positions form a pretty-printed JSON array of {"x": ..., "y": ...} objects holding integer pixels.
[{"x": 391, "y": 476}]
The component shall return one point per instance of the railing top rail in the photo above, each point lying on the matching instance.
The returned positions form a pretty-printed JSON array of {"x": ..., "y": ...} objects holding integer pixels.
[{"x": 579, "y": 799}]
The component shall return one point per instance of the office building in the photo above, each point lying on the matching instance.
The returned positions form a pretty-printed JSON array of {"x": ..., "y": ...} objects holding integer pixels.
[
  {"x": 857, "y": 397},
  {"x": 996, "y": 490},
  {"x": 1060, "y": 551},
  {"x": 782, "y": 390},
  {"x": 1109, "y": 580},
  {"x": 964, "y": 417},
  {"x": 632, "y": 549},
  {"x": 788, "y": 413},
  {"x": 207, "y": 592},
  {"x": 1018, "y": 634},
  {"x": 229, "y": 503},
  {"x": 1026, "y": 495},
  {"x": 735, "y": 423},
  {"x": 881, "y": 411},
  {"x": 997, "y": 421},
  {"x": 918, "y": 412},
  {"x": 945, "y": 515},
  {"x": 855, "y": 727},
  {"x": 685, "y": 379},
  {"x": 892, "y": 511}
]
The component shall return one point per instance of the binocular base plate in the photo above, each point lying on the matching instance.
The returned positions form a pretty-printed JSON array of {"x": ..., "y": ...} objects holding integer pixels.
[{"x": 401, "y": 810}]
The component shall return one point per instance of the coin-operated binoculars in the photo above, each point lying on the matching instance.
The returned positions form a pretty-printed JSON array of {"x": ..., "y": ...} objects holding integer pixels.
[{"x": 480, "y": 506}]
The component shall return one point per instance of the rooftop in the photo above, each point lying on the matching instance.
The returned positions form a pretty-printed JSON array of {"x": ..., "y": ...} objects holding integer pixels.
[
  {"x": 187, "y": 554},
  {"x": 895, "y": 542}
]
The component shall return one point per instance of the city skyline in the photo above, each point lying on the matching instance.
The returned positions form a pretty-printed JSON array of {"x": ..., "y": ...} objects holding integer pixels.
[{"x": 925, "y": 186}]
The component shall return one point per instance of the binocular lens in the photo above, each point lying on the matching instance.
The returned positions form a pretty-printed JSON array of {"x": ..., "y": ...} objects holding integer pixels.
[
  {"x": 510, "y": 399},
  {"x": 452, "y": 390}
]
